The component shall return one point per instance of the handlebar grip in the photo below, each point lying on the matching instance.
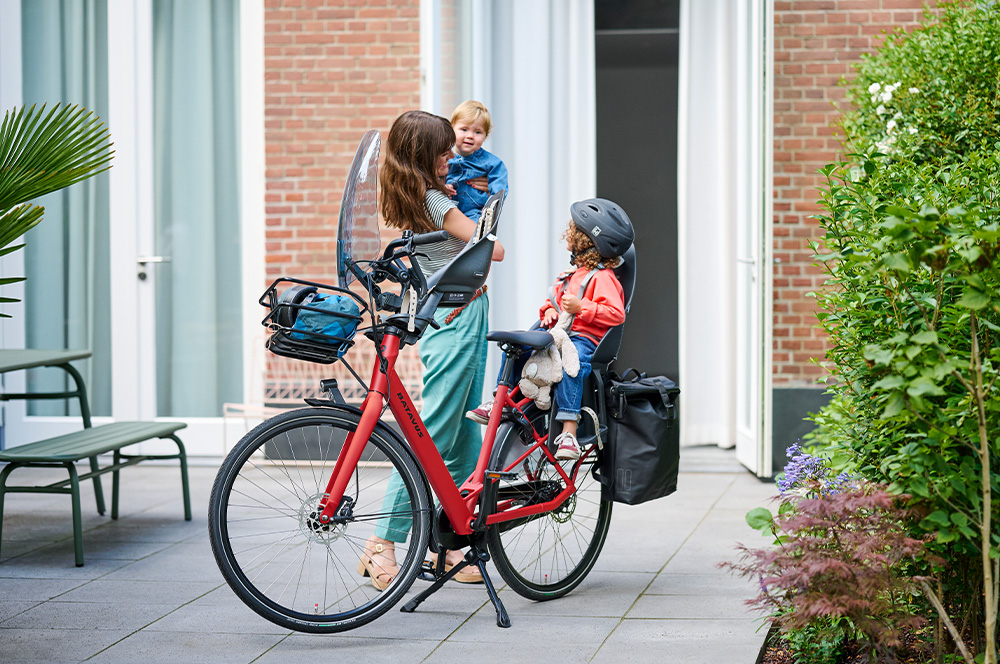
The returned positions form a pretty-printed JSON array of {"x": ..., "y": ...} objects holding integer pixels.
[{"x": 427, "y": 238}]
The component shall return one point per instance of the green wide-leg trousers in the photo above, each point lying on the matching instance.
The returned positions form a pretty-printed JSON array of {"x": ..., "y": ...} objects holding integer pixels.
[{"x": 454, "y": 359}]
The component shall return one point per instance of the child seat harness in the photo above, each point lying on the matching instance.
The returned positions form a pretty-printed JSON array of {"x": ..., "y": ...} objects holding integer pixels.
[{"x": 564, "y": 280}]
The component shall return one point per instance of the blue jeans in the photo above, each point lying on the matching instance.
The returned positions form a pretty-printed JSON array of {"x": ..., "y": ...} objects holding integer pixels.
[{"x": 569, "y": 391}]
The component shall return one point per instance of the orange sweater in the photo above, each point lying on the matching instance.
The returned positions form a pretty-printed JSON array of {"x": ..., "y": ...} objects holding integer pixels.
[{"x": 603, "y": 302}]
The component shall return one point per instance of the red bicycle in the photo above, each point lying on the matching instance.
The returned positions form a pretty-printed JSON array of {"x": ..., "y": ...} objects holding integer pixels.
[{"x": 297, "y": 498}]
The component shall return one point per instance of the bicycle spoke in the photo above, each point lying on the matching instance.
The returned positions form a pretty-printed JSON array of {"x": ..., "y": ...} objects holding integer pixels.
[
  {"x": 272, "y": 548},
  {"x": 547, "y": 555}
]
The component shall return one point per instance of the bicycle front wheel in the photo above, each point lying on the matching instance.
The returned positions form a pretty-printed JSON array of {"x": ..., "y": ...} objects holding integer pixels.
[
  {"x": 276, "y": 555},
  {"x": 545, "y": 556}
]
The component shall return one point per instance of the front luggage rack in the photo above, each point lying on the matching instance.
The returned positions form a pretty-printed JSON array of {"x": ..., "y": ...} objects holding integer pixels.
[{"x": 284, "y": 309}]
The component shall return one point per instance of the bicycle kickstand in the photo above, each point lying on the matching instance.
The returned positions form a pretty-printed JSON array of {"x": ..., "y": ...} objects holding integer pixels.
[{"x": 474, "y": 556}]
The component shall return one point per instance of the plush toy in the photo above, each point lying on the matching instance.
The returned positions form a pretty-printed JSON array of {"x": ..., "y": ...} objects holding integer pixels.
[{"x": 545, "y": 367}]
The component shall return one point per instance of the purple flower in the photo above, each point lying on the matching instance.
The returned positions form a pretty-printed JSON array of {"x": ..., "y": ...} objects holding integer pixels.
[{"x": 809, "y": 475}]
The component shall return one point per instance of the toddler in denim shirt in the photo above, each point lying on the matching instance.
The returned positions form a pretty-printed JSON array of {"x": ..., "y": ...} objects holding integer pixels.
[{"x": 473, "y": 174}]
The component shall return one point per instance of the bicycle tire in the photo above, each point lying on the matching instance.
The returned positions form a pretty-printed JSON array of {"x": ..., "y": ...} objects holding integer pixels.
[
  {"x": 271, "y": 550},
  {"x": 546, "y": 556}
]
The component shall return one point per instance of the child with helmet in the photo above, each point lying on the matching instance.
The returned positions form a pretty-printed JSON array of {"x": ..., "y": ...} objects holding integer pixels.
[{"x": 598, "y": 235}]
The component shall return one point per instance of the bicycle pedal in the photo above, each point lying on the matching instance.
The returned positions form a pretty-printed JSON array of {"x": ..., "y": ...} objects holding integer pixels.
[
  {"x": 427, "y": 572},
  {"x": 501, "y": 475}
]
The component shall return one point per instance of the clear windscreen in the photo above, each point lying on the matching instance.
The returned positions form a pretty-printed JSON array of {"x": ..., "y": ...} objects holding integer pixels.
[{"x": 357, "y": 235}]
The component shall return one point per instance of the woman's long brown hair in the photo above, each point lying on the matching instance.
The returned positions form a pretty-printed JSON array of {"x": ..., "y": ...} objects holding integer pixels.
[{"x": 415, "y": 142}]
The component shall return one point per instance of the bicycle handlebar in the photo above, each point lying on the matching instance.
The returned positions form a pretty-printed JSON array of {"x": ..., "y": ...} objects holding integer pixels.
[
  {"x": 428, "y": 238},
  {"x": 410, "y": 240}
]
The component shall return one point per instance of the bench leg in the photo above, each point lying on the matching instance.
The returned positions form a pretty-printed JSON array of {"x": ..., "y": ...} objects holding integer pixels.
[
  {"x": 98, "y": 491},
  {"x": 114, "y": 485},
  {"x": 3, "y": 491},
  {"x": 182, "y": 454},
  {"x": 77, "y": 518}
]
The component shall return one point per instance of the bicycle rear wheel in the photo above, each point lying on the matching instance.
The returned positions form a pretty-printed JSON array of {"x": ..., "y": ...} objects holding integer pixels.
[
  {"x": 277, "y": 557},
  {"x": 545, "y": 556}
]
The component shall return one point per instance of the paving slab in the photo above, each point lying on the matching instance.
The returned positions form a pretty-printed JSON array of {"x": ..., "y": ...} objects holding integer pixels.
[
  {"x": 134, "y": 593},
  {"x": 147, "y": 646},
  {"x": 194, "y": 618},
  {"x": 639, "y": 641},
  {"x": 56, "y": 646},
  {"x": 302, "y": 648},
  {"x": 10, "y": 609},
  {"x": 601, "y": 594},
  {"x": 39, "y": 588},
  {"x": 89, "y": 615},
  {"x": 150, "y": 591},
  {"x": 561, "y": 648}
]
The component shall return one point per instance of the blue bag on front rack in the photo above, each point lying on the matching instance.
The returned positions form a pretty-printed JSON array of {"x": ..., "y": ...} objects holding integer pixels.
[{"x": 337, "y": 317}]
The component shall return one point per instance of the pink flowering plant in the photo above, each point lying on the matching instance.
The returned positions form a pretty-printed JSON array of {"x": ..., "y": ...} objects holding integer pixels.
[{"x": 836, "y": 577}]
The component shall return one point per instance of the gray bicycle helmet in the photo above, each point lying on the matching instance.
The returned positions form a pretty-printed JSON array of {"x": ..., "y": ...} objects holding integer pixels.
[{"x": 605, "y": 223}]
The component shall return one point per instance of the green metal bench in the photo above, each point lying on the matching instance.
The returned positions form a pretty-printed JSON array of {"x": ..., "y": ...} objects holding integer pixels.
[{"x": 64, "y": 451}]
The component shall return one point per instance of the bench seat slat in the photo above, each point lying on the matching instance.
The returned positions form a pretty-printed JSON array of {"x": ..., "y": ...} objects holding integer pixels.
[{"x": 89, "y": 442}]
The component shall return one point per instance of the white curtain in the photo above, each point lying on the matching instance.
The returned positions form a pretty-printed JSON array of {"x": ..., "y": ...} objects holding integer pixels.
[
  {"x": 532, "y": 64},
  {"x": 707, "y": 234},
  {"x": 68, "y": 292},
  {"x": 197, "y": 206}
]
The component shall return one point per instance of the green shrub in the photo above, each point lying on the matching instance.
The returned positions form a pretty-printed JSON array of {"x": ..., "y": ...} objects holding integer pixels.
[
  {"x": 912, "y": 248},
  {"x": 932, "y": 94}
]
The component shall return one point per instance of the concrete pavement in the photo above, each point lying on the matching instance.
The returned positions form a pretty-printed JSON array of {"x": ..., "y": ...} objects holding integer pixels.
[{"x": 150, "y": 591}]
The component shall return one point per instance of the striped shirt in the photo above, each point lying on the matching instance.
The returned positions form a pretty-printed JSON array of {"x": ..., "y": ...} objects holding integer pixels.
[{"x": 438, "y": 254}]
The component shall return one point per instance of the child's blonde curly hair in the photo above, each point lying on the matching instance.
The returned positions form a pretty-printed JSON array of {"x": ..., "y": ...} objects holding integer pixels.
[{"x": 579, "y": 243}]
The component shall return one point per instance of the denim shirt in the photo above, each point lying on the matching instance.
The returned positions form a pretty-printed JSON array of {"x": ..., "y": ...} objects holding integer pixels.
[{"x": 461, "y": 169}]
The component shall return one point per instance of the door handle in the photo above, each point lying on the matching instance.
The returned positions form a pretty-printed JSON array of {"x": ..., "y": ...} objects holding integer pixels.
[{"x": 144, "y": 260}]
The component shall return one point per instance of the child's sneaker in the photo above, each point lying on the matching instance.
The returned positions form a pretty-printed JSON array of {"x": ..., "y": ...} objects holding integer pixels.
[
  {"x": 481, "y": 414},
  {"x": 567, "y": 449}
]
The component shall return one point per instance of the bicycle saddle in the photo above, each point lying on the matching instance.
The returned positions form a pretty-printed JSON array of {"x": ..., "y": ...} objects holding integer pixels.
[{"x": 534, "y": 339}]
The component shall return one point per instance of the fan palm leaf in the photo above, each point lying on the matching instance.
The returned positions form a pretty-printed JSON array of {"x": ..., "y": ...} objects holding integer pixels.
[{"x": 42, "y": 152}]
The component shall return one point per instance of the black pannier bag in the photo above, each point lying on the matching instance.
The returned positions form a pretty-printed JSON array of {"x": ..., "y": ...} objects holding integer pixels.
[{"x": 641, "y": 455}]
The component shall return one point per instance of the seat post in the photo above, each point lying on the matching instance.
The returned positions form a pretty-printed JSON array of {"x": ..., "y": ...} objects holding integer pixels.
[{"x": 509, "y": 363}]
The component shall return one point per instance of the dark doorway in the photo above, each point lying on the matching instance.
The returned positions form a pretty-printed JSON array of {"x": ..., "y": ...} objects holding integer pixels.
[{"x": 637, "y": 49}]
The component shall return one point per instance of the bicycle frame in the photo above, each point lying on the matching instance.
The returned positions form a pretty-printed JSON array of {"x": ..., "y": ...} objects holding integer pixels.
[{"x": 459, "y": 504}]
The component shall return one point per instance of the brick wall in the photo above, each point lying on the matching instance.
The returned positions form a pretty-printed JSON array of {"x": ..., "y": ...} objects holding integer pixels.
[
  {"x": 816, "y": 42},
  {"x": 333, "y": 70}
]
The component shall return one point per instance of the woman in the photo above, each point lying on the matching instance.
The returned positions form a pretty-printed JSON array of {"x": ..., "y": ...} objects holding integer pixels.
[{"x": 414, "y": 197}]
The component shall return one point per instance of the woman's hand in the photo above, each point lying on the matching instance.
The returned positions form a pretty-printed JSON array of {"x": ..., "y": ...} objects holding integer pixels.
[
  {"x": 480, "y": 184},
  {"x": 571, "y": 303},
  {"x": 549, "y": 317}
]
